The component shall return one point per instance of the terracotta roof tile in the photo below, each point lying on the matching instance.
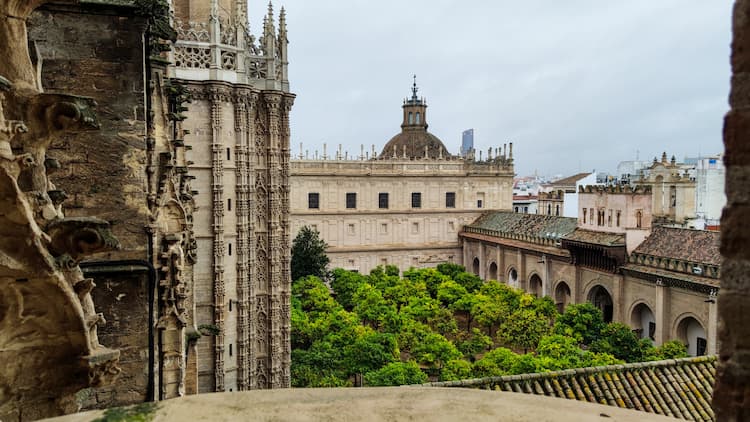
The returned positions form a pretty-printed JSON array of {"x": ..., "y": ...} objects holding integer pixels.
[
  {"x": 685, "y": 244},
  {"x": 598, "y": 238},
  {"x": 679, "y": 388},
  {"x": 571, "y": 180}
]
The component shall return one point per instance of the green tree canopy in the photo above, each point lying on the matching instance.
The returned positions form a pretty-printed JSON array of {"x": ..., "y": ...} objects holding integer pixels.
[
  {"x": 583, "y": 321},
  {"x": 309, "y": 254},
  {"x": 396, "y": 373},
  {"x": 620, "y": 341}
]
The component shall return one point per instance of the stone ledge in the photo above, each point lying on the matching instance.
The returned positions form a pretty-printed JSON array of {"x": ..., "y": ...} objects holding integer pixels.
[{"x": 376, "y": 404}]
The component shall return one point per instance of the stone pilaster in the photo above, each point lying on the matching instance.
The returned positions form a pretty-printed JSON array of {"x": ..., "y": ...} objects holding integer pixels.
[{"x": 216, "y": 97}]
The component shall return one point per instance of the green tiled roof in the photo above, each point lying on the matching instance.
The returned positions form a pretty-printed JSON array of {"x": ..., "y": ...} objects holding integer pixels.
[
  {"x": 533, "y": 225},
  {"x": 680, "y": 388}
]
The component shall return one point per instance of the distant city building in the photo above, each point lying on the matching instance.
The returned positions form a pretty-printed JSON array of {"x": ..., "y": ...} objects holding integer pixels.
[
  {"x": 467, "y": 141},
  {"x": 617, "y": 209},
  {"x": 560, "y": 198},
  {"x": 709, "y": 192},
  {"x": 673, "y": 187},
  {"x": 404, "y": 206},
  {"x": 629, "y": 171}
]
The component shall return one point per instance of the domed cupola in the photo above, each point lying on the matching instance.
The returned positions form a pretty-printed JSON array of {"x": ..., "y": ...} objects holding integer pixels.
[{"x": 414, "y": 141}]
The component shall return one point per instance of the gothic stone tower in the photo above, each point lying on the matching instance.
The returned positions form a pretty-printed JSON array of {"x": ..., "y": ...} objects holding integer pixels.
[{"x": 238, "y": 152}]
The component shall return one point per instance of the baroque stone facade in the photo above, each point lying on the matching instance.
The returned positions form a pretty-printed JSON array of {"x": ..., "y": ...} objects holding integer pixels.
[
  {"x": 238, "y": 124},
  {"x": 404, "y": 206}
]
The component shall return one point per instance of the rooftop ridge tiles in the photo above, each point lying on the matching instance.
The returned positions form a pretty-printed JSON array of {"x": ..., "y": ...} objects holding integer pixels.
[{"x": 589, "y": 369}]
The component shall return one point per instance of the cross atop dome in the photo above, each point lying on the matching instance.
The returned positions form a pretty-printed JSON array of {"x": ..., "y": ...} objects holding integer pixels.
[{"x": 414, "y": 89}]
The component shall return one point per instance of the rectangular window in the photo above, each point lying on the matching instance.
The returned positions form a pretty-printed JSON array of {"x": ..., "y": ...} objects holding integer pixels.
[
  {"x": 351, "y": 200},
  {"x": 415, "y": 228},
  {"x": 450, "y": 200},
  {"x": 652, "y": 330},
  {"x": 416, "y": 200},
  {"x": 479, "y": 203},
  {"x": 384, "y": 228},
  {"x": 351, "y": 228},
  {"x": 700, "y": 346},
  {"x": 230, "y": 305},
  {"x": 229, "y": 154},
  {"x": 229, "y": 249},
  {"x": 383, "y": 200},
  {"x": 383, "y": 261},
  {"x": 451, "y": 226},
  {"x": 313, "y": 200},
  {"x": 618, "y": 218},
  {"x": 584, "y": 216},
  {"x": 591, "y": 216},
  {"x": 230, "y": 349},
  {"x": 229, "y": 204},
  {"x": 314, "y": 227}
]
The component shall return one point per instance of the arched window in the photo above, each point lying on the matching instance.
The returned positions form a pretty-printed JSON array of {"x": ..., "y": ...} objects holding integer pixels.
[
  {"x": 411, "y": 118},
  {"x": 638, "y": 219},
  {"x": 643, "y": 321},
  {"x": 493, "y": 271},
  {"x": 584, "y": 216},
  {"x": 549, "y": 209},
  {"x": 599, "y": 297},
  {"x": 513, "y": 277},
  {"x": 535, "y": 285},
  {"x": 475, "y": 266},
  {"x": 557, "y": 210},
  {"x": 419, "y": 118},
  {"x": 691, "y": 332},
  {"x": 562, "y": 296}
]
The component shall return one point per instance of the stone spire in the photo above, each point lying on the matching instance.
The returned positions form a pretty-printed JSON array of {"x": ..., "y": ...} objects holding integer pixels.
[{"x": 282, "y": 26}]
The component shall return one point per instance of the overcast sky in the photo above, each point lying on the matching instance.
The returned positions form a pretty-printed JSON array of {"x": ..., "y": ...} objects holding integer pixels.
[{"x": 576, "y": 85}]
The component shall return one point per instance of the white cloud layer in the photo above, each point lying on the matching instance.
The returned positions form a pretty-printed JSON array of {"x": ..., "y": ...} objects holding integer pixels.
[{"x": 575, "y": 84}]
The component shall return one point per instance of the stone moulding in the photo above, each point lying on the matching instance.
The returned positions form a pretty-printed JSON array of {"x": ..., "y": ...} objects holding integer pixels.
[{"x": 49, "y": 348}]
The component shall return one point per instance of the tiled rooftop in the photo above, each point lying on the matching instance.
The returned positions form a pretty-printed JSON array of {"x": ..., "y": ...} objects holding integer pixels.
[
  {"x": 534, "y": 225},
  {"x": 571, "y": 180},
  {"x": 598, "y": 238},
  {"x": 683, "y": 244},
  {"x": 680, "y": 388}
]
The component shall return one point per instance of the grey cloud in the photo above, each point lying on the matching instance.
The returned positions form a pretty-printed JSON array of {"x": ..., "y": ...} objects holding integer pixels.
[{"x": 574, "y": 84}]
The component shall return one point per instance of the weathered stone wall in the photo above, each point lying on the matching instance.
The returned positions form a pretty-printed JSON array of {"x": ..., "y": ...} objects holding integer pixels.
[
  {"x": 732, "y": 391},
  {"x": 98, "y": 52},
  {"x": 119, "y": 289}
]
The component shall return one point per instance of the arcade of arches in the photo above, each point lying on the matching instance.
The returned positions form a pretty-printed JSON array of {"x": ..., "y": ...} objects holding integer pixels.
[{"x": 655, "y": 311}]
